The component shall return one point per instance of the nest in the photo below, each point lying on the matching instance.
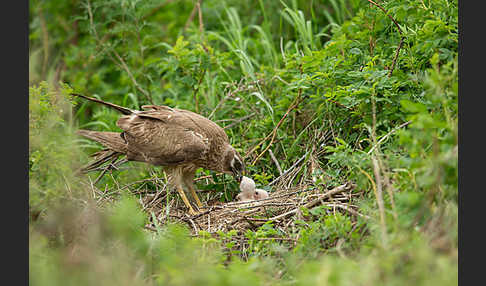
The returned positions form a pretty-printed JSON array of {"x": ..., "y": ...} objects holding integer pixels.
[
  {"x": 285, "y": 206},
  {"x": 279, "y": 209},
  {"x": 283, "y": 210}
]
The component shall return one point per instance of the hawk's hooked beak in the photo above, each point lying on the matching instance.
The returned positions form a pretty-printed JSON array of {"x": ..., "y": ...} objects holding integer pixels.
[{"x": 238, "y": 174}]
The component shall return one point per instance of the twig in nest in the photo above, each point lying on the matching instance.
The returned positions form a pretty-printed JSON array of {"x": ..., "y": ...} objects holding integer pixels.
[
  {"x": 350, "y": 210},
  {"x": 108, "y": 167},
  {"x": 149, "y": 227},
  {"x": 101, "y": 157},
  {"x": 196, "y": 231},
  {"x": 268, "y": 199},
  {"x": 336, "y": 190},
  {"x": 288, "y": 170},
  {"x": 112, "y": 165},
  {"x": 275, "y": 161},
  {"x": 207, "y": 177}
]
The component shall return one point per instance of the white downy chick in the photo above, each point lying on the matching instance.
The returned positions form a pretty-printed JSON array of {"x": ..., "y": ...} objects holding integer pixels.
[{"x": 249, "y": 192}]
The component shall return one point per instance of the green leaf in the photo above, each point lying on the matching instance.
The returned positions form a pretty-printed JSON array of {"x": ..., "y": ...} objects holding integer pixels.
[{"x": 413, "y": 107}]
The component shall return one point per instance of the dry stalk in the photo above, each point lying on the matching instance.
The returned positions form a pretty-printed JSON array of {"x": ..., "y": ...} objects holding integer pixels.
[
  {"x": 240, "y": 87},
  {"x": 288, "y": 170},
  {"x": 239, "y": 120},
  {"x": 275, "y": 161},
  {"x": 201, "y": 23},
  {"x": 376, "y": 171},
  {"x": 294, "y": 104},
  {"x": 191, "y": 17},
  {"x": 388, "y": 186},
  {"x": 387, "y": 135}
]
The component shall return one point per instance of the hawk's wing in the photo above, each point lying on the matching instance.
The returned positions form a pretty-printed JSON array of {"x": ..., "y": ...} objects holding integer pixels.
[
  {"x": 187, "y": 119},
  {"x": 163, "y": 136}
]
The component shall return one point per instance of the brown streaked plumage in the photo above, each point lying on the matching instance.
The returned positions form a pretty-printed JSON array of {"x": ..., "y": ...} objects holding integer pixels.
[{"x": 180, "y": 141}]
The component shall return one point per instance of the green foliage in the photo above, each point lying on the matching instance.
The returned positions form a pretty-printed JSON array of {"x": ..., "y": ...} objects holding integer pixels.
[
  {"x": 116, "y": 249},
  {"x": 53, "y": 153},
  {"x": 252, "y": 61},
  {"x": 410, "y": 262}
]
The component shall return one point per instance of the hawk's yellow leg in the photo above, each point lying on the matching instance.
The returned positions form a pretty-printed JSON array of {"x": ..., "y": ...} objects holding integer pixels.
[
  {"x": 194, "y": 195},
  {"x": 185, "y": 200}
]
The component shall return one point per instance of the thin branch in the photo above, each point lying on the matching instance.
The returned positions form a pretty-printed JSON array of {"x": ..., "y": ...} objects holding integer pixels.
[
  {"x": 195, "y": 91},
  {"x": 396, "y": 56},
  {"x": 121, "y": 63},
  {"x": 91, "y": 24},
  {"x": 240, "y": 87},
  {"x": 387, "y": 135},
  {"x": 275, "y": 161},
  {"x": 239, "y": 120},
  {"x": 274, "y": 238},
  {"x": 191, "y": 17},
  {"x": 399, "y": 30},
  {"x": 132, "y": 78},
  {"x": 336, "y": 190},
  {"x": 288, "y": 170},
  {"x": 350, "y": 210},
  {"x": 201, "y": 30},
  {"x": 296, "y": 102}
]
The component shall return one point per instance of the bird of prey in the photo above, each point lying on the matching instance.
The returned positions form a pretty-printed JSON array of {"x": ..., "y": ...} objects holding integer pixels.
[{"x": 179, "y": 140}]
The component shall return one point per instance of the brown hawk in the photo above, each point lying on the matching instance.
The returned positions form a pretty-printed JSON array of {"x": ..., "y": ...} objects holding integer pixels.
[{"x": 179, "y": 140}]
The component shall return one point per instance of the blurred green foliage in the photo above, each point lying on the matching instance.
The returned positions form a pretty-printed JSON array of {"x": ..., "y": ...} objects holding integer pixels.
[{"x": 255, "y": 59}]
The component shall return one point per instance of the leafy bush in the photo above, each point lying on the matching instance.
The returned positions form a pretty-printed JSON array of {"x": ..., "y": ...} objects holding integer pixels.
[{"x": 53, "y": 153}]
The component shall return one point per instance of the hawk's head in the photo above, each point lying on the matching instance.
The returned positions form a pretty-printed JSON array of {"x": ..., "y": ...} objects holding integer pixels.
[{"x": 233, "y": 164}]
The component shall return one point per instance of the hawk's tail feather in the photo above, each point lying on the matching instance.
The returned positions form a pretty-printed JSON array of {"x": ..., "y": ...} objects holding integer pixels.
[
  {"x": 122, "y": 109},
  {"x": 102, "y": 157},
  {"x": 111, "y": 140},
  {"x": 115, "y": 147}
]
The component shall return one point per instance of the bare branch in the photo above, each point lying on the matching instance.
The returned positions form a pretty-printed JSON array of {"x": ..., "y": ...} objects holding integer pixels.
[
  {"x": 275, "y": 161},
  {"x": 387, "y": 135},
  {"x": 296, "y": 102}
]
